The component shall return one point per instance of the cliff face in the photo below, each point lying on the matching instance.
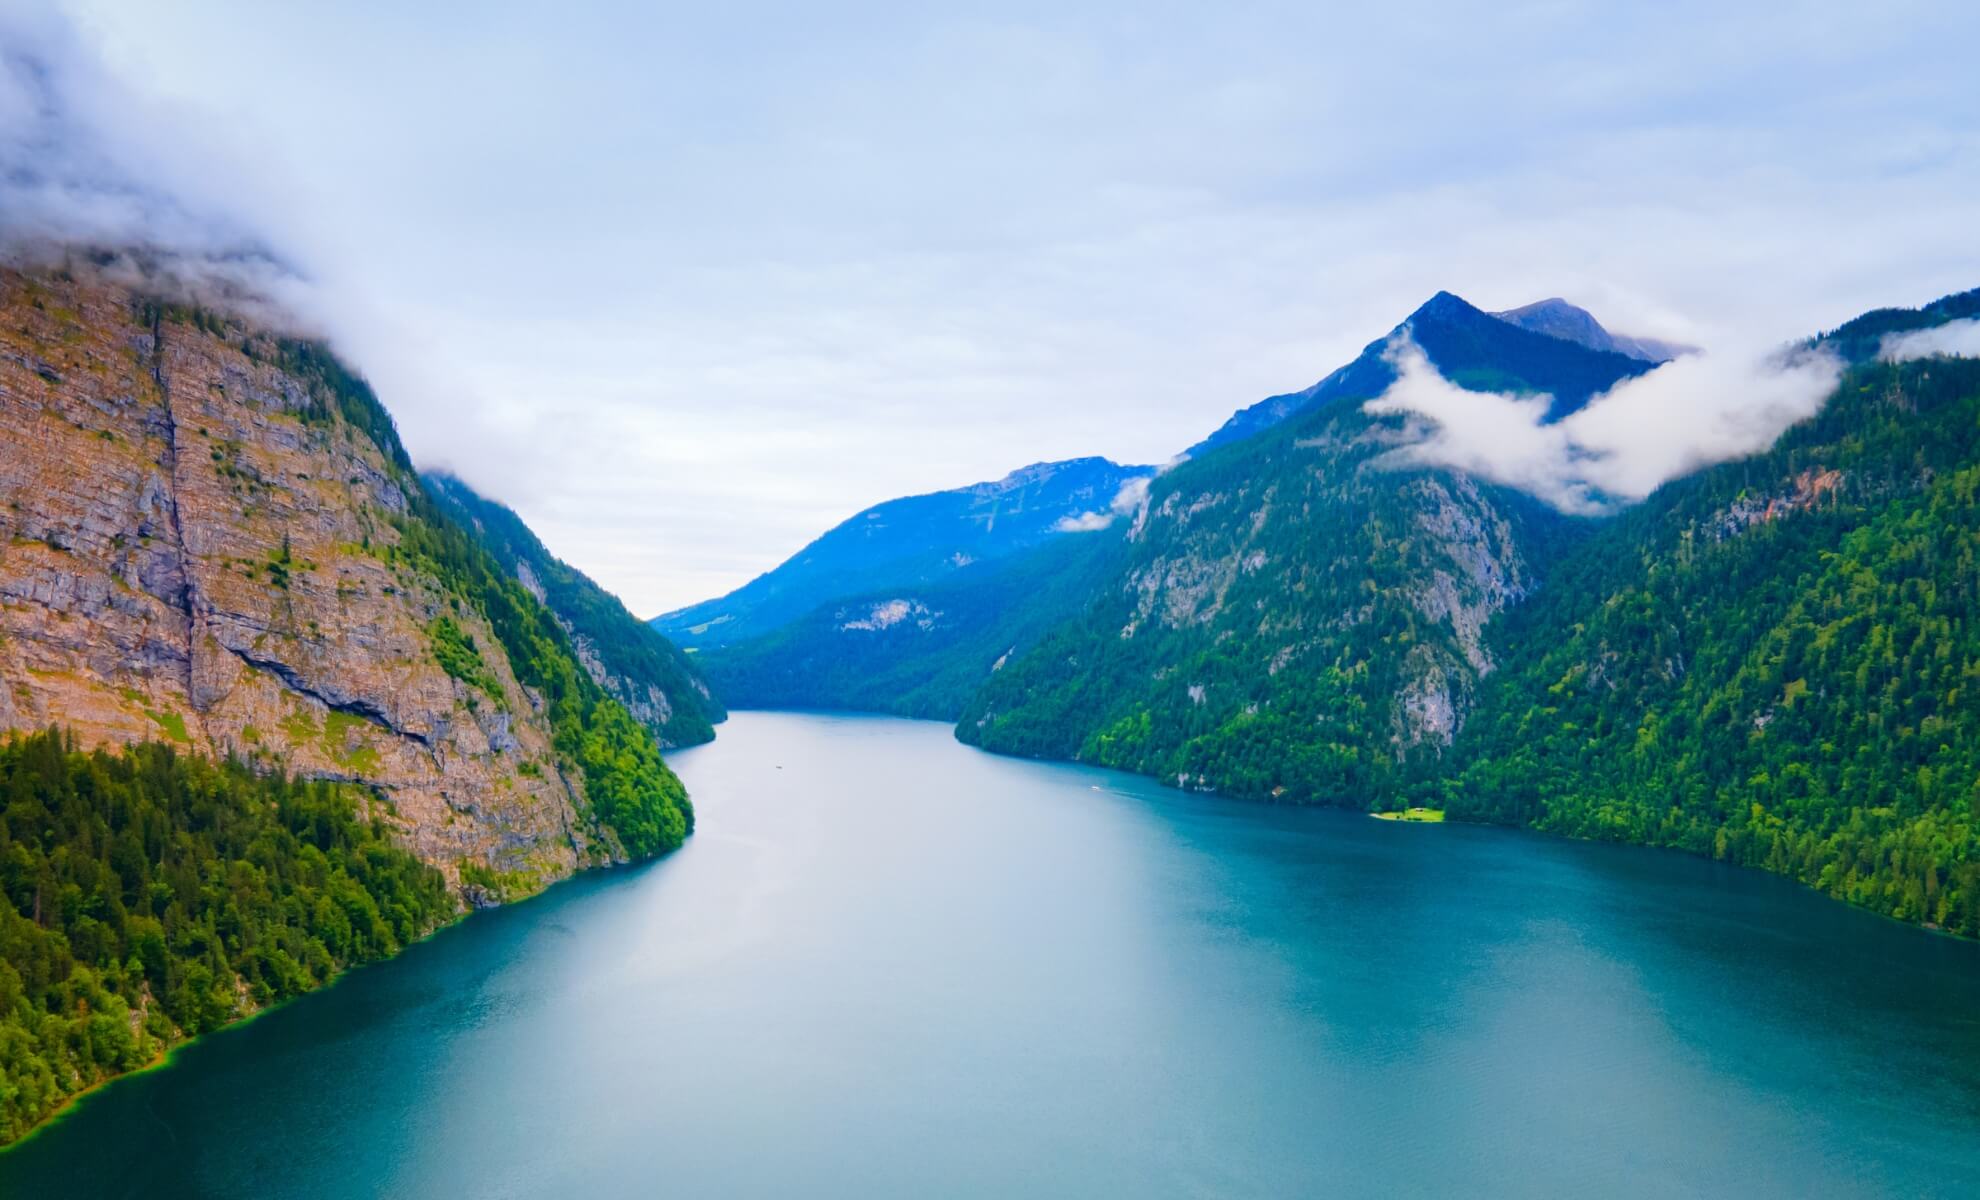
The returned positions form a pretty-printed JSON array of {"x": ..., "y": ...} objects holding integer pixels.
[{"x": 196, "y": 547}]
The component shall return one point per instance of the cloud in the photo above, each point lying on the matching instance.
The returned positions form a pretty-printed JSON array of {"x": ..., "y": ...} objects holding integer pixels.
[
  {"x": 1085, "y": 522},
  {"x": 1126, "y": 502},
  {"x": 89, "y": 168},
  {"x": 1954, "y": 339},
  {"x": 1689, "y": 413}
]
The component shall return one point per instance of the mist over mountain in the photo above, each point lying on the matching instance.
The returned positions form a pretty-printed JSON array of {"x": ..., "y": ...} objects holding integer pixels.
[{"x": 1478, "y": 351}]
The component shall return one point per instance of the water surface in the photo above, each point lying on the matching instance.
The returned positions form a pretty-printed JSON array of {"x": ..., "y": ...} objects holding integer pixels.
[{"x": 889, "y": 965}]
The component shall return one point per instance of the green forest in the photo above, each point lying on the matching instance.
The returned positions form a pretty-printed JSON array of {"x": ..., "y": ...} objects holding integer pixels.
[
  {"x": 1799, "y": 691},
  {"x": 148, "y": 896},
  {"x": 929, "y": 665}
]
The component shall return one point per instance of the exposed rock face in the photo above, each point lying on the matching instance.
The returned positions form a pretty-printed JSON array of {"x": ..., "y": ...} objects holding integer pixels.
[{"x": 194, "y": 551}]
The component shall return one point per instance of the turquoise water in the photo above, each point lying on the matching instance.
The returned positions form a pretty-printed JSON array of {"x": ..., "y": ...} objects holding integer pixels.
[{"x": 888, "y": 965}]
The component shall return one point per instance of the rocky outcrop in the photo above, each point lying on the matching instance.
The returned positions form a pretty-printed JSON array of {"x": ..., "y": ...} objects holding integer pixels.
[{"x": 195, "y": 546}]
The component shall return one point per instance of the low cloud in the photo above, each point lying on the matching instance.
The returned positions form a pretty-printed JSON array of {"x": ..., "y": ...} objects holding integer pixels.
[
  {"x": 1126, "y": 502},
  {"x": 1085, "y": 522},
  {"x": 1686, "y": 414},
  {"x": 91, "y": 172},
  {"x": 1956, "y": 339}
]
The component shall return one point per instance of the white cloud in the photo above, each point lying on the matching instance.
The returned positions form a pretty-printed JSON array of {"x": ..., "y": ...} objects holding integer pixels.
[
  {"x": 1086, "y": 522},
  {"x": 1955, "y": 339},
  {"x": 86, "y": 162},
  {"x": 1691, "y": 412},
  {"x": 1132, "y": 495}
]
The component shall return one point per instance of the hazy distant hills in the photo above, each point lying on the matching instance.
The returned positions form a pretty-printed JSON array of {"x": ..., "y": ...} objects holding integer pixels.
[
  {"x": 909, "y": 542},
  {"x": 1558, "y": 319}
]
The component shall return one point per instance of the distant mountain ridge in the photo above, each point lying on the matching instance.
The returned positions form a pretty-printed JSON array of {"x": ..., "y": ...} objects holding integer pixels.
[{"x": 908, "y": 542}]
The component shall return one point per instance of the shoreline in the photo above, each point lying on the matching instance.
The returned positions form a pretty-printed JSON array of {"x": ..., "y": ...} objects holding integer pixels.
[
  {"x": 171, "y": 1052},
  {"x": 165, "y": 1057}
]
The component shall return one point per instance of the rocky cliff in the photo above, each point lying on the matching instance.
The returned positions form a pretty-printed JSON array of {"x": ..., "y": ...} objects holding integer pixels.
[{"x": 204, "y": 539}]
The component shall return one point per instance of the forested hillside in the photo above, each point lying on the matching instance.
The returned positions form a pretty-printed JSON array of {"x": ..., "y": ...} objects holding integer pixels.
[
  {"x": 1775, "y": 662},
  {"x": 1291, "y": 619},
  {"x": 147, "y": 896},
  {"x": 919, "y": 652},
  {"x": 623, "y": 654}
]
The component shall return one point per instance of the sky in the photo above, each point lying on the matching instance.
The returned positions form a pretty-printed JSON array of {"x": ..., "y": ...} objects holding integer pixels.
[{"x": 686, "y": 285}]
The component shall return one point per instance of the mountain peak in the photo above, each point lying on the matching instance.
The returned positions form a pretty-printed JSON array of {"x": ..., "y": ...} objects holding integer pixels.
[
  {"x": 1557, "y": 318},
  {"x": 1550, "y": 346},
  {"x": 1445, "y": 306}
]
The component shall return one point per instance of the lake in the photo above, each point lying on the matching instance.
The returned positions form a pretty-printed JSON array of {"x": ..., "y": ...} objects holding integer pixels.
[{"x": 889, "y": 965}]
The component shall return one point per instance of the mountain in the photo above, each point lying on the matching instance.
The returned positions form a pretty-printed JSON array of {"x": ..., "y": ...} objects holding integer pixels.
[
  {"x": 1861, "y": 339},
  {"x": 1473, "y": 349},
  {"x": 908, "y": 543},
  {"x": 919, "y": 646},
  {"x": 299, "y": 714},
  {"x": 1291, "y": 618},
  {"x": 1770, "y": 661},
  {"x": 1558, "y": 319},
  {"x": 625, "y": 656},
  {"x": 216, "y": 538},
  {"x": 919, "y": 651}
]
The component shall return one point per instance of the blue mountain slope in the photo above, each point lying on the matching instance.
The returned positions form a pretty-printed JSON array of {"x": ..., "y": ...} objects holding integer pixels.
[
  {"x": 907, "y": 543},
  {"x": 1558, "y": 319}
]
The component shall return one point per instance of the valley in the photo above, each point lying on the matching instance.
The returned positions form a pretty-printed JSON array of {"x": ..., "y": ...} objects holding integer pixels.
[{"x": 1767, "y": 660}]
